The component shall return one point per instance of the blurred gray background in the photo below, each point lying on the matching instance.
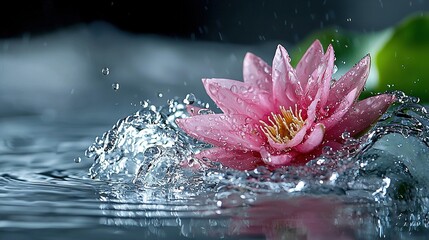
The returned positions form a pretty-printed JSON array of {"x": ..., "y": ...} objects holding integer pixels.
[{"x": 52, "y": 52}]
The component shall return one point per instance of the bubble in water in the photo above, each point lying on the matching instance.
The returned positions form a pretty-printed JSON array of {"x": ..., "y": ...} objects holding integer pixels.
[
  {"x": 115, "y": 86},
  {"x": 77, "y": 160},
  {"x": 152, "y": 152},
  {"x": 105, "y": 71},
  {"x": 160, "y": 95},
  {"x": 349, "y": 19},
  {"x": 189, "y": 99}
]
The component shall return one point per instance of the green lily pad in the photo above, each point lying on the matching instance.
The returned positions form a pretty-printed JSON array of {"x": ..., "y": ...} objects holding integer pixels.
[{"x": 402, "y": 62}]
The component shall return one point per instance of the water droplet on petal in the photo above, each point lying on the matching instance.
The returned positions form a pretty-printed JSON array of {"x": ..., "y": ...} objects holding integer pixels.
[
  {"x": 266, "y": 70},
  {"x": 234, "y": 89}
]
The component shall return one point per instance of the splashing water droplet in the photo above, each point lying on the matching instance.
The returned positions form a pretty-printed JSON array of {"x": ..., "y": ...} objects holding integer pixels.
[
  {"x": 170, "y": 102},
  {"x": 77, "y": 160},
  {"x": 160, "y": 95},
  {"x": 144, "y": 104},
  {"x": 105, "y": 71},
  {"x": 327, "y": 150},
  {"x": 335, "y": 69},
  {"x": 115, "y": 86},
  {"x": 345, "y": 135},
  {"x": 189, "y": 99},
  {"x": 349, "y": 19}
]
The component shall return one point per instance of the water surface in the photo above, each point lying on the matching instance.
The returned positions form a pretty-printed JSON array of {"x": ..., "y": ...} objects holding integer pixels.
[{"x": 131, "y": 183}]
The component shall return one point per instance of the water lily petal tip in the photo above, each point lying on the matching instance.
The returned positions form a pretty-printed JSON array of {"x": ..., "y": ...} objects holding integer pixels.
[
  {"x": 249, "y": 55},
  {"x": 317, "y": 42},
  {"x": 367, "y": 58}
]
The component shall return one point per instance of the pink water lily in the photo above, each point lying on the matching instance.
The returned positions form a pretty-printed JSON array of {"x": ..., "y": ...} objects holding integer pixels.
[{"x": 282, "y": 115}]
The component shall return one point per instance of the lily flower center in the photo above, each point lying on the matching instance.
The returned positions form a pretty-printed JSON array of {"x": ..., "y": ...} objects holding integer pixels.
[{"x": 283, "y": 126}]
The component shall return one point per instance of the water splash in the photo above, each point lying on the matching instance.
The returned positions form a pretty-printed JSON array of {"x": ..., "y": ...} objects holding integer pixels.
[
  {"x": 105, "y": 71},
  {"x": 115, "y": 86},
  {"x": 385, "y": 168},
  {"x": 148, "y": 149}
]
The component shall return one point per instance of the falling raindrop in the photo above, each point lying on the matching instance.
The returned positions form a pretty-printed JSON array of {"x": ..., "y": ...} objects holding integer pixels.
[
  {"x": 105, "y": 71},
  {"x": 115, "y": 86},
  {"x": 189, "y": 99}
]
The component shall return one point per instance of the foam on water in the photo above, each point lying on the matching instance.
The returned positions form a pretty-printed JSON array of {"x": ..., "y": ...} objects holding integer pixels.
[{"x": 386, "y": 169}]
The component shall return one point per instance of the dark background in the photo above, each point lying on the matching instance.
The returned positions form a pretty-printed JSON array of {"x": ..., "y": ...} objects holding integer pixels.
[{"x": 239, "y": 21}]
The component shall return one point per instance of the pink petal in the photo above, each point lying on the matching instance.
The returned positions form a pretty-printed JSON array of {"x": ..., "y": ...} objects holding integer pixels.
[
  {"x": 362, "y": 115},
  {"x": 340, "y": 111},
  {"x": 309, "y": 62},
  {"x": 321, "y": 78},
  {"x": 234, "y": 97},
  {"x": 314, "y": 139},
  {"x": 232, "y": 131},
  {"x": 355, "y": 78},
  {"x": 286, "y": 87},
  {"x": 327, "y": 76},
  {"x": 257, "y": 72},
  {"x": 239, "y": 160}
]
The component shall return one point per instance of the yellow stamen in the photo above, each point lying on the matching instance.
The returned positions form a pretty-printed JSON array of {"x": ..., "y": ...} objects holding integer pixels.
[{"x": 282, "y": 127}]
